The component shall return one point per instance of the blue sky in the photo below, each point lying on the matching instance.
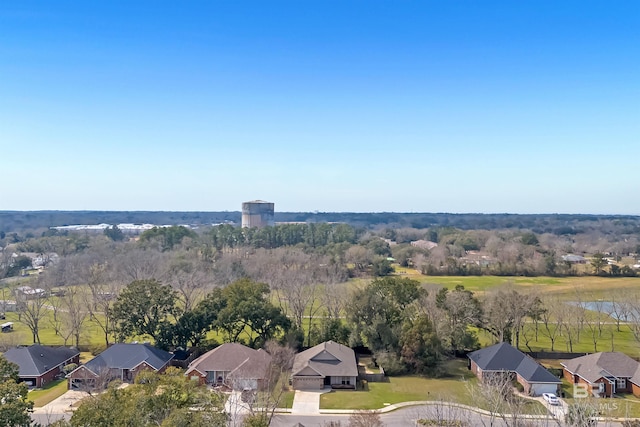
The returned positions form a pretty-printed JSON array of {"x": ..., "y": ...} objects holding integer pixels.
[{"x": 407, "y": 106}]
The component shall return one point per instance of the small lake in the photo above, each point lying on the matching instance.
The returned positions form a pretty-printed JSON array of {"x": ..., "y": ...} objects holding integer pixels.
[{"x": 608, "y": 307}]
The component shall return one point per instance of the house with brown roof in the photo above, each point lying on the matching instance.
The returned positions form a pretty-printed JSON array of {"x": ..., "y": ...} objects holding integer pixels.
[
  {"x": 232, "y": 365},
  {"x": 604, "y": 374},
  {"x": 503, "y": 357},
  {"x": 327, "y": 364}
]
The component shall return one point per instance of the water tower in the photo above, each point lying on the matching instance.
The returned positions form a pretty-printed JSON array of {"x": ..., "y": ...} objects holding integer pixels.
[{"x": 257, "y": 213}]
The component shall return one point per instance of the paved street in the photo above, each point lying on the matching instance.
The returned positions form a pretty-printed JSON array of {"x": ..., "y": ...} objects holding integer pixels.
[
  {"x": 407, "y": 417},
  {"x": 401, "y": 417}
]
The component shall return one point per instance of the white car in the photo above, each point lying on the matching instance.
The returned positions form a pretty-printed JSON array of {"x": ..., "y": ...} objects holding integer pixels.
[{"x": 551, "y": 398}]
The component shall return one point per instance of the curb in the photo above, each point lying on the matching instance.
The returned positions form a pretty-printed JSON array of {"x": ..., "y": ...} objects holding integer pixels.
[{"x": 401, "y": 405}]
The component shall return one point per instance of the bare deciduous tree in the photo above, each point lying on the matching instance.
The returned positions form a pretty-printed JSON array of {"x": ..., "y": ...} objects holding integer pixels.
[
  {"x": 58, "y": 320},
  {"x": 505, "y": 311},
  {"x": 75, "y": 310},
  {"x": 188, "y": 277},
  {"x": 31, "y": 310},
  {"x": 496, "y": 393},
  {"x": 102, "y": 292},
  {"x": 552, "y": 318},
  {"x": 364, "y": 418}
]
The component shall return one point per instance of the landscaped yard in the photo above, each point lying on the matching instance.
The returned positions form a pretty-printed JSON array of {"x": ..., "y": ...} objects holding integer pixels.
[
  {"x": 50, "y": 392},
  {"x": 457, "y": 387},
  {"x": 623, "y": 405},
  {"x": 286, "y": 401}
]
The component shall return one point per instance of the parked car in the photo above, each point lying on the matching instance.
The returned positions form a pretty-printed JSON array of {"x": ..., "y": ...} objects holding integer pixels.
[{"x": 551, "y": 398}]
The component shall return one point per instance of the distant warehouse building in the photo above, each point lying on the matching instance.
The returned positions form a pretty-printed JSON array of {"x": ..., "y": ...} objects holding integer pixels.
[{"x": 257, "y": 213}]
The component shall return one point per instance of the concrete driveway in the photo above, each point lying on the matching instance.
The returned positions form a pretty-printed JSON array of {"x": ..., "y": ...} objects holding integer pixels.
[
  {"x": 558, "y": 411},
  {"x": 63, "y": 403},
  {"x": 307, "y": 402}
]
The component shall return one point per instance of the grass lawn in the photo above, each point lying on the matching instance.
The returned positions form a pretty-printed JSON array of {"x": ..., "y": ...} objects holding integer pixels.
[
  {"x": 622, "y": 406},
  {"x": 611, "y": 340},
  {"x": 456, "y": 387},
  {"x": 85, "y": 356},
  {"x": 565, "y": 287},
  {"x": 91, "y": 332},
  {"x": 398, "y": 389},
  {"x": 286, "y": 401},
  {"x": 48, "y": 393}
]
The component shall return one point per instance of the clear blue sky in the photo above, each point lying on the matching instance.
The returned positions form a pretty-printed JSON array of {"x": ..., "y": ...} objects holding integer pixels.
[{"x": 424, "y": 106}]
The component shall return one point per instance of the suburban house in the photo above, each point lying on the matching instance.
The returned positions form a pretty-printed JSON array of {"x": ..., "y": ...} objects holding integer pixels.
[
  {"x": 503, "y": 357},
  {"x": 40, "y": 364},
  {"x": 326, "y": 364},
  {"x": 232, "y": 365},
  {"x": 604, "y": 374},
  {"x": 27, "y": 292},
  {"x": 574, "y": 259},
  {"x": 424, "y": 244},
  {"x": 119, "y": 362}
]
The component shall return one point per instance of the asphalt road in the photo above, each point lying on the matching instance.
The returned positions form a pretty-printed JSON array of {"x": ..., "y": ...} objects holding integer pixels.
[
  {"x": 401, "y": 417},
  {"x": 45, "y": 419},
  {"x": 408, "y": 416}
]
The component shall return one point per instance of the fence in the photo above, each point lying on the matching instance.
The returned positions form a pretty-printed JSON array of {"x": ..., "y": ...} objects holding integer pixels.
[
  {"x": 184, "y": 363},
  {"x": 554, "y": 355},
  {"x": 374, "y": 378}
]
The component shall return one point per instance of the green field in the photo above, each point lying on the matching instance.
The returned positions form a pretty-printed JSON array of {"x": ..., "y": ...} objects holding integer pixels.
[{"x": 563, "y": 286}]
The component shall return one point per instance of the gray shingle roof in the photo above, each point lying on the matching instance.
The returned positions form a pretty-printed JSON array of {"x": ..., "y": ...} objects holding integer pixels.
[
  {"x": 328, "y": 359},
  {"x": 128, "y": 356},
  {"x": 594, "y": 366},
  {"x": 504, "y": 357},
  {"x": 36, "y": 359}
]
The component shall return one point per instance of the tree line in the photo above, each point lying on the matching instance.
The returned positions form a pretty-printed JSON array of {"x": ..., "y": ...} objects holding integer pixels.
[{"x": 559, "y": 224}]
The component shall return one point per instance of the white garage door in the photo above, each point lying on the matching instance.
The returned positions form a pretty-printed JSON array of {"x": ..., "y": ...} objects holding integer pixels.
[{"x": 538, "y": 389}]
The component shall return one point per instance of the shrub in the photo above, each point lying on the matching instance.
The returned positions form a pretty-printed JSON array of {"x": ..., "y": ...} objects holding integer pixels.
[
  {"x": 442, "y": 423},
  {"x": 70, "y": 367},
  {"x": 391, "y": 363}
]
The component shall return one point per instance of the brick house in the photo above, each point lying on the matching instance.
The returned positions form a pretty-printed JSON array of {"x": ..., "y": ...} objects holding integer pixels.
[
  {"x": 232, "y": 365},
  {"x": 604, "y": 374},
  {"x": 119, "y": 362},
  {"x": 503, "y": 357},
  {"x": 327, "y": 364},
  {"x": 40, "y": 364}
]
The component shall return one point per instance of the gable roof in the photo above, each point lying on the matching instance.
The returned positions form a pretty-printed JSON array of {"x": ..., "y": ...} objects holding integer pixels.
[
  {"x": 128, "y": 356},
  {"x": 239, "y": 360},
  {"x": 326, "y": 359},
  {"x": 595, "y": 366},
  {"x": 255, "y": 367},
  {"x": 504, "y": 357},
  {"x": 36, "y": 359}
]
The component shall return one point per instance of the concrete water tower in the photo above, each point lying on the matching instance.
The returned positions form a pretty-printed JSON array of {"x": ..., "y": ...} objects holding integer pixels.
[{"x": 257, "y": 213}]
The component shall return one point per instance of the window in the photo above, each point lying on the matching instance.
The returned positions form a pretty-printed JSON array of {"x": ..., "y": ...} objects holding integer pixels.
[
  {"x": 621, "y": 383},
  {"x": 346, "y": 380}
]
